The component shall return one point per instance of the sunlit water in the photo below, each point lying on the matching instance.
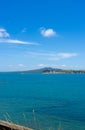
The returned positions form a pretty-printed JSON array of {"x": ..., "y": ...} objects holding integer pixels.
[{"x": 43, "y": 101}]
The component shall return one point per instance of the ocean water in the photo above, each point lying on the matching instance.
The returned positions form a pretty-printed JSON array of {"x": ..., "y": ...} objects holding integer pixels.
[{"x": 43, "y": 101}]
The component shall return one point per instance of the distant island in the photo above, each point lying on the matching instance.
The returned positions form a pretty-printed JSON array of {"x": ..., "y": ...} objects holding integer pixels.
[
  {"x": 64, "y": 72},
  {"x": 49, "y": 70}
]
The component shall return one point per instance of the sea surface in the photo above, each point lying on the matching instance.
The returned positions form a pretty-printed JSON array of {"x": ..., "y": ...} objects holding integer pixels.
[{"x": 43, "y": 101}]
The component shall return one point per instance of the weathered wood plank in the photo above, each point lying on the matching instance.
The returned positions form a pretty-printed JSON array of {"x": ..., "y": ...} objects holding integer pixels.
[{"x": 9, "y": 126}]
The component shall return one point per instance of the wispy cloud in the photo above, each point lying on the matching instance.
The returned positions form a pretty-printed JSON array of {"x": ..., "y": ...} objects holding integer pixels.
[
  {"x": 5, "y": 38},
  {"x": 67, "y": 55},
  {"x": 17, "y": 41},
  {"x": 63, "y": 66},
  {"x": 59, "y": 56},
  {"x": 17, "y": 66},
  {"x": 52, "y": 65},
  {"x": 47, "y": 65},
  {"x": 52, "y": 55},
  {"x": 48, "y": 32},
  {"x": 4, "y": 33},
  {"x": 41, "y": 65},
  {"x": 21, "y": 65}
]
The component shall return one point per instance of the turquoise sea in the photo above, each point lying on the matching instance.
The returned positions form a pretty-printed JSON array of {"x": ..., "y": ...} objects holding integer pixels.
[{"x": 43, "y": 101}]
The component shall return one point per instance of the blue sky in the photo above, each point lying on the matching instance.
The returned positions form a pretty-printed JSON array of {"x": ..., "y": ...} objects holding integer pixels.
[{"x": 41, "y": 33}]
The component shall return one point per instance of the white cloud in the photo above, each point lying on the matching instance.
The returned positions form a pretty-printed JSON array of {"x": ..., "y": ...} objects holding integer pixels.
[
  {"x": 63, "y": 65},
  {"x": 47, "y": 65},
  {"x": 16, "y": 66},
  {"x": 48, "y": 32},
  {"x": 5, "y": 38},
  {"x": 42, "y": 65},
  {"x": 52, "y": 55},
  {"x": 4, "y": 33},
  {"x": 66, "y": 55},
  {"x": 59, "y": 56},
  {"x": 17, "y": 41},
  {"x": 21, "y": 65}
]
